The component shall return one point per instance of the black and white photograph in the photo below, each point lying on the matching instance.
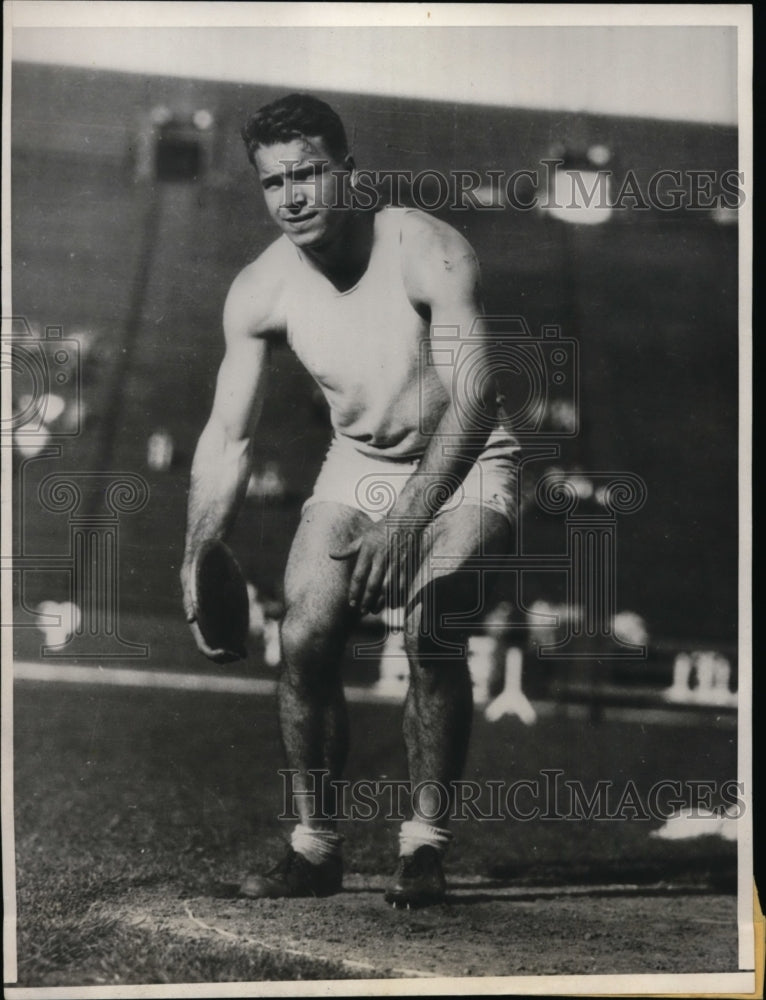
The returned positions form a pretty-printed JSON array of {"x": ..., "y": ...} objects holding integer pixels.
[{"x": 376, "y": 526}]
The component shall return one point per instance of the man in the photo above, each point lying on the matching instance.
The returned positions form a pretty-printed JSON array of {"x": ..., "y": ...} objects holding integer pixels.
[{"x": 419, "y": 476}]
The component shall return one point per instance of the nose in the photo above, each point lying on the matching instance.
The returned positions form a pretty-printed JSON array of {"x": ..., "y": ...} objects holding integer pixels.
[{"x": 295, "y": 197}]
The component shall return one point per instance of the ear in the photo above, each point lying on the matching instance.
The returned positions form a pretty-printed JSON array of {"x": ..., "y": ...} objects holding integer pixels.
[{"x": 350, "y": 164}]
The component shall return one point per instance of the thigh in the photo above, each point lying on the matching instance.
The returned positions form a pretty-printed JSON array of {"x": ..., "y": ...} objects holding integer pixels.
[
  {"x": 447, "y": 597},
  {"x": 316, "y": 586}
]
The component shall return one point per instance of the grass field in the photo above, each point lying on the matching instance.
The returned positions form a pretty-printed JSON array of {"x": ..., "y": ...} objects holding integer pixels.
[{"x": 137, "y": 810}]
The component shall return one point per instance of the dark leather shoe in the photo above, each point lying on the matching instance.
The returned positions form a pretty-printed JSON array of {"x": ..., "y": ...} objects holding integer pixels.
[
  {"x": 293, "y": 877},
  {"x": 419, "y": 879}
]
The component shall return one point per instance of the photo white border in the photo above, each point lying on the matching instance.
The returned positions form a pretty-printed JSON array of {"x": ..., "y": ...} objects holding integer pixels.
[{"x": 101, "y": 13}]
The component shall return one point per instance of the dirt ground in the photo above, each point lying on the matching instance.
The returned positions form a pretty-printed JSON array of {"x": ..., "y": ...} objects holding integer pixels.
[
  {"x": 482, "y": 930},
  {"x": 132, "y": 806}
]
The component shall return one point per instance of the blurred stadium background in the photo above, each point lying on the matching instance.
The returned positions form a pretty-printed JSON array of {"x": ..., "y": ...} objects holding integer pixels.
[{"x": 134, "y": 207}]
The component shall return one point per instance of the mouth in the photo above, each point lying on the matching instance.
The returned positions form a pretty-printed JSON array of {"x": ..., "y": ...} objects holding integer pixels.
[{"x": 297, "y": 220}]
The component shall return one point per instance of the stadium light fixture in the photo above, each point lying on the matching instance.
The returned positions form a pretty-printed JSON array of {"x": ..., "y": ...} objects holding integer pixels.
[{"x": 580, "y": 189}]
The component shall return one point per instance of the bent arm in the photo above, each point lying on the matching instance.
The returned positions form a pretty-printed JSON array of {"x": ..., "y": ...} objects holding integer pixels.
[
  {"x": 223, "y": 457},
  {"x": 444, "y": 281},
  {"x": 441, "y": 276}
]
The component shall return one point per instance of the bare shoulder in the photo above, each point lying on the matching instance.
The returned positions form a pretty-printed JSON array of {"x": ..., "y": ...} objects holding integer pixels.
[
  {"x": 254, "y": 304},
  {"x": 436, "y": 258}
]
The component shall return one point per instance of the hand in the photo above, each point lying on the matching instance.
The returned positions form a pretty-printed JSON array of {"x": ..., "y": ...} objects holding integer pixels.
[
  {"x": 190, "y": 611},
  {"x": 385, "y": 564},
  {"x": 186, "y": 593}
]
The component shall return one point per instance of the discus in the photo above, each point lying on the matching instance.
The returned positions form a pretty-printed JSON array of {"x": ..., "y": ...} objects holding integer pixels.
[{"x": 220, "y": 600}]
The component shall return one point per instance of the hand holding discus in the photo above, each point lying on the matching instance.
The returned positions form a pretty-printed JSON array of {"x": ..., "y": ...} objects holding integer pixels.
[{"x": 216, "y": 602}]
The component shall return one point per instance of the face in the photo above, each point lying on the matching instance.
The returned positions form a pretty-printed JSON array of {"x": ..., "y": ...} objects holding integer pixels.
[{"x": 303, "y": 187}]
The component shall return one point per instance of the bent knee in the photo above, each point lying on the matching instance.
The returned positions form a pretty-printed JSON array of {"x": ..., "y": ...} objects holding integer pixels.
[
  {"x": 309, "y": 647},
  {"x": 428, "y": 640}
]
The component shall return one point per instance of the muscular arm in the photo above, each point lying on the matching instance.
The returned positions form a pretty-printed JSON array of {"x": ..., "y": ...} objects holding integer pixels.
[
  {"x": 223, "y": 457},
  {"x": 442, "y": 281}
]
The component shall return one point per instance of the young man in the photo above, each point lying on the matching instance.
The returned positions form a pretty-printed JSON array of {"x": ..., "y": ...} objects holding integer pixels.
[{"x": 420, "y": 475}]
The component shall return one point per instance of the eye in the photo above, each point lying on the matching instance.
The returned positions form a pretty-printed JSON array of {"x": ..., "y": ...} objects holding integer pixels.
[{"x": 303, "y": 174}]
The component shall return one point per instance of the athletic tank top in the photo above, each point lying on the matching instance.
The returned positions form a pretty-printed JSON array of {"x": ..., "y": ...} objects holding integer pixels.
[{"x": 366, "y": 348}]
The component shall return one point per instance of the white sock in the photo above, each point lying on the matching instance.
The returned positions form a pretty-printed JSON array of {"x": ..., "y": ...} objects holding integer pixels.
[
  {"x": 415, "y": 834},
  {"x": 316, "y": 846}
]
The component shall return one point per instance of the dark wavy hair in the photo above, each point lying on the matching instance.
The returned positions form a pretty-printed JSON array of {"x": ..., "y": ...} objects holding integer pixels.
[{"x": 293, "y": 117}]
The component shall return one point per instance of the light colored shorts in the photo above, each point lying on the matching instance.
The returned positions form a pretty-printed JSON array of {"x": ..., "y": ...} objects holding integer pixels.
[{"x": 372, "y": 485}]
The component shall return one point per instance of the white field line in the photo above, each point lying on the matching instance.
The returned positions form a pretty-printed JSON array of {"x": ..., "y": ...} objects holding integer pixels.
[
  {"x": 72, "y": 673},
  {"x": 282, "y": 949}
]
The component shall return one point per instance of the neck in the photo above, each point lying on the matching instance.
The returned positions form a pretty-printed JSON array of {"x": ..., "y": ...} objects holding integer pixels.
[{"x": 344, "y": 259}]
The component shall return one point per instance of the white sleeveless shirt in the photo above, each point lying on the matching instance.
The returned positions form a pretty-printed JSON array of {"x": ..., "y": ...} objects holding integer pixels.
[{"x": 367, "y": 348}]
